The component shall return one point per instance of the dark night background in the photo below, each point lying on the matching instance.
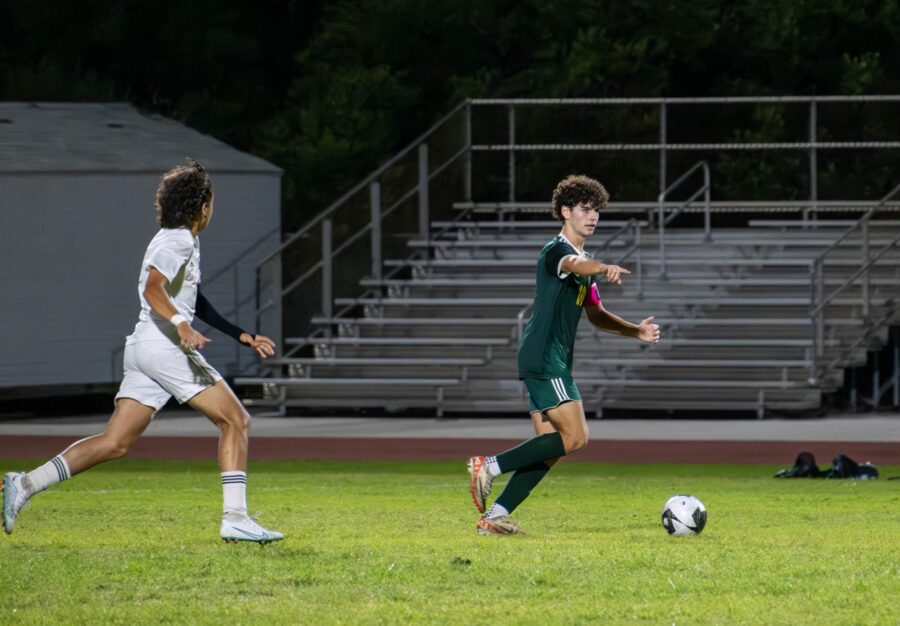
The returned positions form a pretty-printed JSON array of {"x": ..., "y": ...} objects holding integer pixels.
[{"x": 328, "y": 90}]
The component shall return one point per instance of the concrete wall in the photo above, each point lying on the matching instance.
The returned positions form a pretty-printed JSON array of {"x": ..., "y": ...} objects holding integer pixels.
[{"x": 70, "y": 251}]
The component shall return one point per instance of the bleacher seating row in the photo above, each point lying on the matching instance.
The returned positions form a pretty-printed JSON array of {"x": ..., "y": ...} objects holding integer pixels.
[{"x": 441, "y": 333}]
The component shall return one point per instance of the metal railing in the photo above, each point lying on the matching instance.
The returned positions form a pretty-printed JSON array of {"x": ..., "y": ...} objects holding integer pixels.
[
  {"x": 338, "y": 231},
  {"x": 664, "y": 147},
  {"x": 407, "y": 183},
  {"x": 663, "y": 221},
  {"x": 819, "y": 301}
]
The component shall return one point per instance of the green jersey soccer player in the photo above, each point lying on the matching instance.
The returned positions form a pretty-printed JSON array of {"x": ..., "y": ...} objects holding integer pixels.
[{"x": 565, "y": 286}]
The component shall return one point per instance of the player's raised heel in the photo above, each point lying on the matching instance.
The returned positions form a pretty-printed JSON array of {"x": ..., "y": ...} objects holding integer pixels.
[
  {"x": 498, "y": 526},
  {"x": 237, "y": 528},
  {"x": 480, "y": 480},
  {"x": 15, "y": 496}
]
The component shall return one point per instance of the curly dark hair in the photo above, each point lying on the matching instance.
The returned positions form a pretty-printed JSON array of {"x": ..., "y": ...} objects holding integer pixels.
[
  {"x": 181, "y": 194},
  {"x": 576, "y": 189}
]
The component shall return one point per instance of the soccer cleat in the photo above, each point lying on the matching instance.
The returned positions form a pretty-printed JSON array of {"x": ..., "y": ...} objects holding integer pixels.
[
  {"x": 244, "y": 528},
  {"x": 480, "y": 481},
  {"x": 15, "y": 496},
  {"x": 498, "y": 526}
]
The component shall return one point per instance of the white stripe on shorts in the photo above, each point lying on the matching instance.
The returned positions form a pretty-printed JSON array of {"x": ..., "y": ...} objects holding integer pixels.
[{"x": 560, "y": 389}]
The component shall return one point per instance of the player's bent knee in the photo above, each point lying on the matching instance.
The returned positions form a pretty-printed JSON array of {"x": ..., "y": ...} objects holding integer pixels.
[
  {"x": 117, "y": 449},
  {"x": 574, "y": 443}
]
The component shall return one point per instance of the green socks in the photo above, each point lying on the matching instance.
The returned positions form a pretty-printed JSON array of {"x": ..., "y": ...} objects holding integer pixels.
[
  {"x": 520, "y": 485},
  {"x": 535, "y": 450}
]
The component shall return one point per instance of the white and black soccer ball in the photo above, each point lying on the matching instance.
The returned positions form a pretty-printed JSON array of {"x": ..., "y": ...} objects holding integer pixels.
[{"x": 683, "y": 515}]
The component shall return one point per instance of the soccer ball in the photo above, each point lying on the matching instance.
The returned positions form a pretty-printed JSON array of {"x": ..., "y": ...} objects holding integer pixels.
[{"x": 683, "y": 515}]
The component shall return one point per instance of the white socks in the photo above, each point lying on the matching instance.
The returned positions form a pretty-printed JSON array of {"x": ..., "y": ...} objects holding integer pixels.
[
  {"x": 234, "y": 492},
  {"x": 496, "y": 511},
  {"x": 53, "y": 471},
  {"x": 492, "y": 466}
]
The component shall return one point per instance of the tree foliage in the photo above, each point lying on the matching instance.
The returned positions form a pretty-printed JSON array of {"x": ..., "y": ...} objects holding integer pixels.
[{"x": 327, "y": 90}]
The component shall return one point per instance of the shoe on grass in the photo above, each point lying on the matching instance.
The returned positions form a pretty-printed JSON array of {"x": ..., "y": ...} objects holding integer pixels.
[
  {"x": 243, "y": 528},
  {"x": 498, "y": 526}
]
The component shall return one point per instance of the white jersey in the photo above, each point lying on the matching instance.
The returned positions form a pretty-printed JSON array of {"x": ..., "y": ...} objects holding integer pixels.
[{"x": 175, "y": 253}]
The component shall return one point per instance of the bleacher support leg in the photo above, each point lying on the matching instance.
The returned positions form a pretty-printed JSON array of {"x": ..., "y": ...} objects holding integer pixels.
[{"x": 423, "y": 193}]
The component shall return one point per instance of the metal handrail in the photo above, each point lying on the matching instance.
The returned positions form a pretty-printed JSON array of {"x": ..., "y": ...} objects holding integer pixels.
[
  {"x": 873, "y": 327},
  {"x": 819, "y": 300},
  {"x": 698, "y": 100},
  {"x": 661, "y": 204},
  {"x": 366, "y": 181},
  {"x": 810, "y": 143}
]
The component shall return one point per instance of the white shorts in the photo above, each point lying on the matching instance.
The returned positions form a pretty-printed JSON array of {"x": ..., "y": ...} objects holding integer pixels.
[{"x": 158, "y": 370}]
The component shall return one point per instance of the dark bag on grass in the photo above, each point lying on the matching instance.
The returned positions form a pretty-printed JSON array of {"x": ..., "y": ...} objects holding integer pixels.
[
  {"x": 844, "y": 467},
  {"x": 804, "y": 467}
]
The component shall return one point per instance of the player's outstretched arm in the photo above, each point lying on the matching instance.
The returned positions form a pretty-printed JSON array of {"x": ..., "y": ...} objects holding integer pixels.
[
  {"x": 583, "y": 266},
  {"x": 204, "y": 310},
  {"x": 611, "y": 323}
]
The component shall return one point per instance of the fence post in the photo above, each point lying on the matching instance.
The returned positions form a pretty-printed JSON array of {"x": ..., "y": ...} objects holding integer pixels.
[
  {"x": 864, "y": 262},
  {"x": 663, "y": 137},
  {"x": 423, "y": 192},
  {"x": 707, "y": 221},
  {"x": 467, "y": 164},
  {"x": 640, "y": 259},
  {"x": 268, "y": 300},
  {"x": 327, "y": 300},
  {"x": 820, "y": 316},
  {"x": 813, "y": 325},
  {"x": 511, "y": 122},
  {"x": 661, "y": 231},
  {"x": 813, "y": 162},
  {"x": 375, "y": 205}
]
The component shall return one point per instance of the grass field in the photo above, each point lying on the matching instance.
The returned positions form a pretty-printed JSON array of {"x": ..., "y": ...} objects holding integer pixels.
[{"x": 136, "y": 542}]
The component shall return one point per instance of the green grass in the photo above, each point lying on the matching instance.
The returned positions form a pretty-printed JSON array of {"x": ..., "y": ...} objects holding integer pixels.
[{"x": 387, "y": 543}]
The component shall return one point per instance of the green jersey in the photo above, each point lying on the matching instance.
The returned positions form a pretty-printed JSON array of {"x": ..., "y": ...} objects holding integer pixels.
[{"x": 546, "y": 347}]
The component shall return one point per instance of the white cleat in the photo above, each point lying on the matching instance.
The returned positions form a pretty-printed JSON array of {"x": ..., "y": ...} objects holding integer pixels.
[
  {"x": 15, "y": 496},
  {"x": 243, "y": 528}
]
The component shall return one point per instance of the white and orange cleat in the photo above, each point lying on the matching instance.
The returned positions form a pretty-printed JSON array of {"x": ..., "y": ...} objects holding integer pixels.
[
  {"x": 480, "y": 480},
  {"x": 498, "y": 526}
]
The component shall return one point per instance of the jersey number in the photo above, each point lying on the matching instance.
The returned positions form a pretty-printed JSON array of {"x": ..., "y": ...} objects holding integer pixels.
[{"x": 582, "y": 292}]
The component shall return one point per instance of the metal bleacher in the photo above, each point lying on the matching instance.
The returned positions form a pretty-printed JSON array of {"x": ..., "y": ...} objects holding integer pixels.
[
  {"x": 734, "y": 311},
  {"x": 763, "y": 317}
]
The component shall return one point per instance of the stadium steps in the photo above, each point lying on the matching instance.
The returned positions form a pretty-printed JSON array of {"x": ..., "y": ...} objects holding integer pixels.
[{"x": 441, "y": 333}]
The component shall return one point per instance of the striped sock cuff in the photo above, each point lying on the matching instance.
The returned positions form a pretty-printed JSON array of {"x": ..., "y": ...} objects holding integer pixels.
[
  {"x": 62, "y": 468},
  {"x": 234, "y": 478}
]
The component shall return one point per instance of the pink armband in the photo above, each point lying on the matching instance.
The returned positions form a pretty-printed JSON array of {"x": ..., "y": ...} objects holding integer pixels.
[{"x": 593, "y": 297}]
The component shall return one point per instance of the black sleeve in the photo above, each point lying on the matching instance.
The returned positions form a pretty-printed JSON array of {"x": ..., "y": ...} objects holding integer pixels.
[{"x": 206, "y": 312}]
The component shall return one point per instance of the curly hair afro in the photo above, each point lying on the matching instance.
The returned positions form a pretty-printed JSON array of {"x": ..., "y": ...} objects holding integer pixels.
[
  {"x": 576, "y": 189},
  {"x": 181, "y": 194}
]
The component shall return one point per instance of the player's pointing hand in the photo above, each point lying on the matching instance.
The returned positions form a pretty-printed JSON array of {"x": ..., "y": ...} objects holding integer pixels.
[{"x": 614, "y": 273}]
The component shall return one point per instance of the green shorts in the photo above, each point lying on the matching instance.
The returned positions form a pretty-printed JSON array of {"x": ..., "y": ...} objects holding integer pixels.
[{"x": 544, "y": 394}]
